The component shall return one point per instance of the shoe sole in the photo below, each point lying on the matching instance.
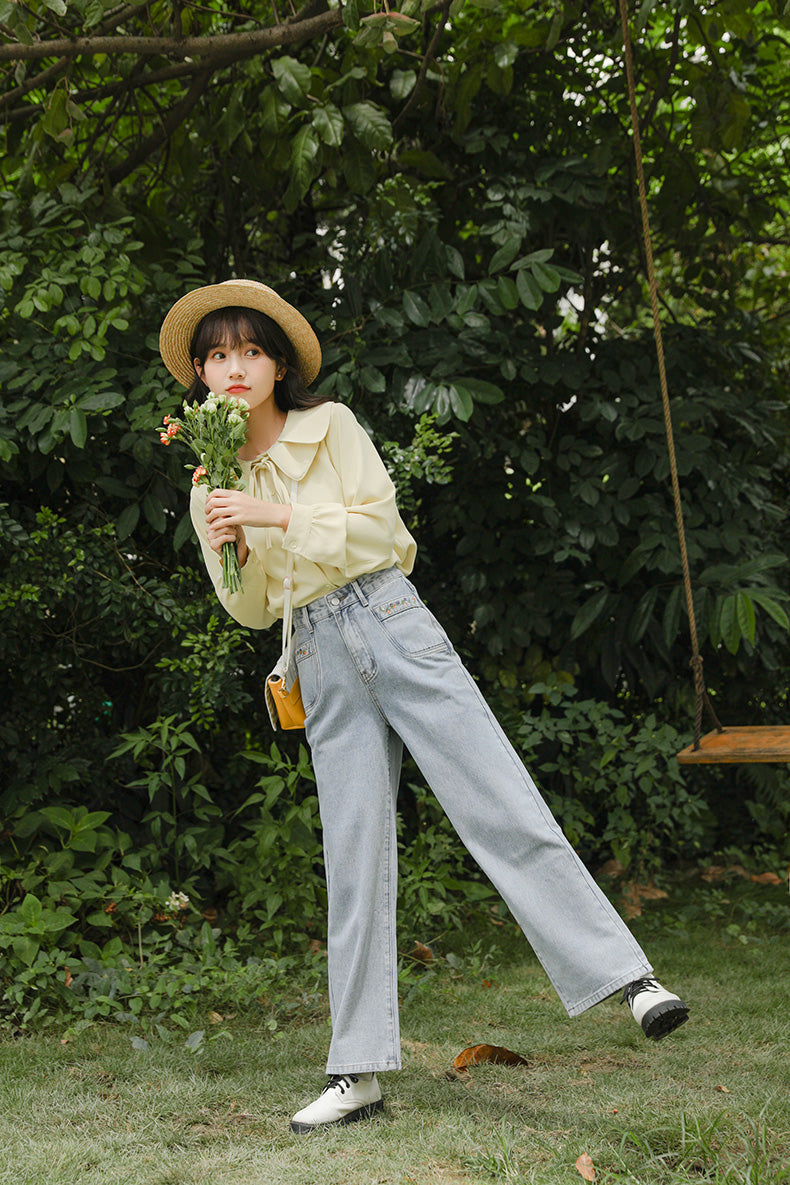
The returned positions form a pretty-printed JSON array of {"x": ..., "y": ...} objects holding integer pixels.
[
  {"x": 366, "y": 1112},
  {"x": 662, "y": 1019}
]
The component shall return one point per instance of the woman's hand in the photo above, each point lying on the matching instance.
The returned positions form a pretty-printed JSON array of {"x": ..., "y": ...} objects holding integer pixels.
[{"x": 229, "y": 511}]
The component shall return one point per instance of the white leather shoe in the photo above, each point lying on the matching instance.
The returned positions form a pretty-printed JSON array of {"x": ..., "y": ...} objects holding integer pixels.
[
  {"x": 344, "y": 1099},
  {"x": 658, "y": 1011}
]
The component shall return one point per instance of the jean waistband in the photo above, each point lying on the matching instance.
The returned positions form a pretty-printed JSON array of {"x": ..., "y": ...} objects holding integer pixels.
[{"x": 356, "y": 590}]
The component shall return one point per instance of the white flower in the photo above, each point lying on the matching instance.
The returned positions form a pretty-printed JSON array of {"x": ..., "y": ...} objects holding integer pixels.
[
  {"x": 235, "y": 418},
  {"x": 242, "y": 403},
  {"x": 209, "y": 406},
  {"x": 177, "y": 901}
]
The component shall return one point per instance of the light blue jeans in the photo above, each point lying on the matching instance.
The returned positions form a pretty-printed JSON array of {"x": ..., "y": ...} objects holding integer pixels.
[{"x": 377, "y": 671}]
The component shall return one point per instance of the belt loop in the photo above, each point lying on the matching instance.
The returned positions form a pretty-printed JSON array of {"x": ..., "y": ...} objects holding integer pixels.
[
  {"x": 359, "y": 591},
  {"x": 303, "y": 616}
]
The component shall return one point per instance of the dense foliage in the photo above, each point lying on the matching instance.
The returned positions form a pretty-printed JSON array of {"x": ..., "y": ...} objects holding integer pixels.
[{"x": 449, "y": 196}]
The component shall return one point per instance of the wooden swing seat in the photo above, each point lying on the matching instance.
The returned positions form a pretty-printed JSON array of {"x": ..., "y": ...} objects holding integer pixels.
[{"x": 751, "y": 743}]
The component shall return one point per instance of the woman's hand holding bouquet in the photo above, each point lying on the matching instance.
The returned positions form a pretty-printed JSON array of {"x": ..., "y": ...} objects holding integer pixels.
[{"x": 215, "y": 430}]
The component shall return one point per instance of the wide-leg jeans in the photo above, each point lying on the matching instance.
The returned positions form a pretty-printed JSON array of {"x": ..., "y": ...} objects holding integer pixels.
[{"x": 377, "y": 672}]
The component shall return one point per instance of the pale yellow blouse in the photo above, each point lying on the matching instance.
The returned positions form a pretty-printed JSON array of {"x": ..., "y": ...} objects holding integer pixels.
[{"x": 345, "y": 521}]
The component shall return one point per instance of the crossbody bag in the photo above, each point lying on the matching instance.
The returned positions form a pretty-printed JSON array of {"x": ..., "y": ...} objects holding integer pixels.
[{"x": 285, "y": 705}]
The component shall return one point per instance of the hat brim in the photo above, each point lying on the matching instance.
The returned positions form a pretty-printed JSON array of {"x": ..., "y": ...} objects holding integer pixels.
[{"x": 186, "y": 314}]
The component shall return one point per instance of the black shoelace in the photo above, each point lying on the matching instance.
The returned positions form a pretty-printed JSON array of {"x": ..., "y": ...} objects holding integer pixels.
[
  {"x": 646, "y": 983},
  {"x": 341, "y": 1080}
]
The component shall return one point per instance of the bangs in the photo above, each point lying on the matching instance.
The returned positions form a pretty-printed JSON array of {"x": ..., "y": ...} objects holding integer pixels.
[{"x": 233, "y": 326}]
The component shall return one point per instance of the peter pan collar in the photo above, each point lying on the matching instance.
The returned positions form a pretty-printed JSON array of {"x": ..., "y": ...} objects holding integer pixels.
[{"x": 293, "y": 451}]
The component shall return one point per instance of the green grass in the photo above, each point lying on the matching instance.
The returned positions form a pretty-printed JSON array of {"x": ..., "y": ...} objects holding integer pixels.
[{"x": 709, "y": 1104}]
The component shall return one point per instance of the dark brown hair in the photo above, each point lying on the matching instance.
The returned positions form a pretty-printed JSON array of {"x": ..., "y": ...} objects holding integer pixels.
[{"x": 232, "y": 326}]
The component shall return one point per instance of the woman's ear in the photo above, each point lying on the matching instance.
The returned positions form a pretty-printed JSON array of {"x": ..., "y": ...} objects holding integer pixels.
[{"x": 198, "y": 368}]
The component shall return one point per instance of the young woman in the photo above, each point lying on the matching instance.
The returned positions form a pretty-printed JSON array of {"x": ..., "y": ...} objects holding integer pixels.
[{"x": 377, "y": 672}]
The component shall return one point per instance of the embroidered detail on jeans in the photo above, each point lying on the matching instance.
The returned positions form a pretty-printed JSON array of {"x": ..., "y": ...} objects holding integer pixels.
[
  {"x": 393, "y": 607},
  {"x": 304, "y": 651}
]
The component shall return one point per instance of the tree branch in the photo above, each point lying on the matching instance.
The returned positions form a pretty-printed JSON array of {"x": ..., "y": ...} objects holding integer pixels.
[
  {"x": 429, "y": 56},
  {"x": 231, "y": 46},
  {"x": 163, "y": 133},
  {"x": 30, "y": 84}
]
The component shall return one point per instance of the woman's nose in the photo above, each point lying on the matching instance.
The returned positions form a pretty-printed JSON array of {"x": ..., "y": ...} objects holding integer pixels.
[{"x": 236, "y": 365}]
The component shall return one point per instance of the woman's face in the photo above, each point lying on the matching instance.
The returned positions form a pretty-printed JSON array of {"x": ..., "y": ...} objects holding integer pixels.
[{"x": 242, "y": 370}]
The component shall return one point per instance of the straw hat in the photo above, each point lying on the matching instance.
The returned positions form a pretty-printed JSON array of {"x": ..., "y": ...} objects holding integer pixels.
[{"x": 181, "y": 322}]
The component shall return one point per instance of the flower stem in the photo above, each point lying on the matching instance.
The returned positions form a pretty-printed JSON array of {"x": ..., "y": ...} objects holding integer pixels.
[{"x": 231, "y": 572}]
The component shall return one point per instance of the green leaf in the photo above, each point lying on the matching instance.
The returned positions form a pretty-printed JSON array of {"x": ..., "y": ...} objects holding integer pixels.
[
  {"x": 772, "y": 608},
  {"x": 728, "y": 624},
  {"x": 642, "y": 615},
  {"x": 127, "y": 520},
  {"x": 528, "y": 290},
  {"x": 153, "y": 511},
  {"x": 183, "y": 531},
  {"x": 369, "y": 124},
  {"x": 505, "y": 255},
  {"x": 359, "y": 169},
  {"x": 480, "y": 390},
  {"x": 507, "y": 292},
  {"x": 589, "y": 613},
  {"x": 416, "y": 309},
  {"x": 402, "y": 83},
  {"x": 541, "y": 256},
  {"x": 455, "y": 262},
  {"x": 546, "y": 277},
  {"x": 350, "y": 10},
  {"x": 78, "y": 427},
  {"x": 26, "y": 949},
  {"x": 304, "y": 150},
  {"x": 293, "y": 79},
  {"x": 746, "y": 617},
  {"x": 672, "y": 612},
  {"x": 273, "y": 111},
  {"x": 328, "y": 123},
  {"x": 30, "y": 910},
  {"x": 461, "y": 402}
]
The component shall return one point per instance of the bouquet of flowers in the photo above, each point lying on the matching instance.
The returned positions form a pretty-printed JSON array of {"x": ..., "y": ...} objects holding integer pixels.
[{"x": 215, "y": 430}]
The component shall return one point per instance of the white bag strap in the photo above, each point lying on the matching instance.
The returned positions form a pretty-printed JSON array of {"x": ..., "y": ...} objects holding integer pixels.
[{"x": 288, "y": 581}]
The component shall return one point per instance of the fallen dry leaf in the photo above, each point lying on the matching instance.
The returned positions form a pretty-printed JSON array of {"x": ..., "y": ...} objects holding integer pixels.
[
  {"x": 474, "y": 1055},
  {"x": 585, "y": 1167},
  {"x": 767, "y": 878},
  {"x": 724, "y": 1089},
  {"x": 68, "y": 978},
  {"x": 634, "y": 894},
  {"x": 611, "y": 868},
  {"x": 422, "y": 953},
  {"x": 214, "y": 1018}
]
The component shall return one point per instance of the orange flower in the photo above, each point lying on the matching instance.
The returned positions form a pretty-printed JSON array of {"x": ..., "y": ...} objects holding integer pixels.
[
  {"x": 166, "y": 420},
  {"x": 172, "y": 429},
  {"x": 165, "y": 439},
  {"x": 196, "y": 476}
]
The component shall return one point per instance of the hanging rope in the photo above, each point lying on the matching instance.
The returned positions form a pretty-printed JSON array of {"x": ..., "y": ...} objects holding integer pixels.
[{"x": 702, "y": 697}]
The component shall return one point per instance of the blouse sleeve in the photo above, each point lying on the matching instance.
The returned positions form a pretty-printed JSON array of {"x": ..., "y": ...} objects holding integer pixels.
[
  {"x": 248, "y": 607},
  {"x": 365, "y": 531}
]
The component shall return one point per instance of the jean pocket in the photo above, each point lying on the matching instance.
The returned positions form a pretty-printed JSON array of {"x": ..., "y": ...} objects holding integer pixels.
[
  {"x": 309, "y": 670},
  {"x": 410, "y": 626}
]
